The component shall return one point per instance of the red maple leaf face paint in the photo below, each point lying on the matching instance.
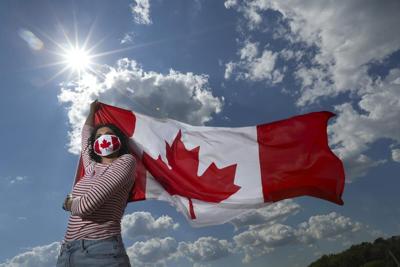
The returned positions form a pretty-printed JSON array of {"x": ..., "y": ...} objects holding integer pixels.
[{"x": 106, "y": 145}]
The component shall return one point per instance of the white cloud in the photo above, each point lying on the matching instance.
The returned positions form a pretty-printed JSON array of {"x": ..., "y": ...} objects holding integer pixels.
[
  {"x": 315, "y": 83},
  {"x": 128, "y": 38},
  {"x": 331, "y": 226},
  {"x": 182, "y": 96},
  {"x": 262, "y": 68},
  {"x": 205, "y": 249},
  {"x": 341, "y": 41},
  {"x": 230, "y": 3},
  {"x": 289, "y": 54},
  {"x": 249, "y": 51},
  {"x": 141, "y": 11},
  {"x": 354, "y": 131},
  {"x": 255, "y": 67},
  {"x": 143, "y": 223},
  {"x": 270, "y": 214},
  {"x": 40, "y": 256},
  {"x": 396, "y": 155},
  {"x": 229, "y": 67},
  {"x": 18, "y": 179},
  {"x": 153, "y": 252},
  {"x": 258, "y": 241},
  {"x": 348, "y": 36},
  {"x": 263, "y": 239}
]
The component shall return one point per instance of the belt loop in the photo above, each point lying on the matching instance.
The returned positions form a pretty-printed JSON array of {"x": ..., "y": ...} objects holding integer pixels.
[{"x": 82, "y": 245}]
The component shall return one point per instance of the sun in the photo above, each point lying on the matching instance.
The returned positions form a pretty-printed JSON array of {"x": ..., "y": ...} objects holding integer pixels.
[{"x": 77, "y": 59}]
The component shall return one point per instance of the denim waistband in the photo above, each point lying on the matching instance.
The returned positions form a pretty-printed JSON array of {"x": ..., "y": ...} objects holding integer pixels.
[{"x": 83, "y": 243}]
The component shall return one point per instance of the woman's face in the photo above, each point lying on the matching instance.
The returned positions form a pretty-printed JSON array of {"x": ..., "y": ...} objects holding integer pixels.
[{"x": 103, "y": 130}]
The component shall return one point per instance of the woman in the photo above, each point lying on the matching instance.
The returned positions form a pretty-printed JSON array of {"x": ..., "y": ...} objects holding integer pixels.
[{"x": 98, "y": 200}]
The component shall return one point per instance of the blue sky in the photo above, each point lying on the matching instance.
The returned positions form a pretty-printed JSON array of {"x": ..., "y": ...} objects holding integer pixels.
[{"x": 253, "y": 62}]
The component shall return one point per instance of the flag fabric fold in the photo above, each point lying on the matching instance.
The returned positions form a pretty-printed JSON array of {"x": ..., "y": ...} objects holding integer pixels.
[{"x": 213, "y": 174}]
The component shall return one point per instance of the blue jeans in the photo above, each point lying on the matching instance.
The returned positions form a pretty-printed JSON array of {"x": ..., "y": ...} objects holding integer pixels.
[{"x": 108, "y": 252}]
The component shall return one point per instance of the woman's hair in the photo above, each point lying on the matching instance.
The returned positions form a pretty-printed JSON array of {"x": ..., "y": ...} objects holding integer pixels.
[{"x": 122, "y": 137}]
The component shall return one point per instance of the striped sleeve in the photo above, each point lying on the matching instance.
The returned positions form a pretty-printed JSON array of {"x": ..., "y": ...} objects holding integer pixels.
[
  {"x": 86, "y": 132},
  {"x": 113, "y": 179}
]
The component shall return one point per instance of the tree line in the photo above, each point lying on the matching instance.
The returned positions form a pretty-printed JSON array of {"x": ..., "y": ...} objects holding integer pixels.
[{"x": 380, "y": 253}]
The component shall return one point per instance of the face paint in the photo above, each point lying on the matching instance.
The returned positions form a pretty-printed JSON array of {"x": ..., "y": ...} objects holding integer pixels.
[{"x": 106, "y": 145}]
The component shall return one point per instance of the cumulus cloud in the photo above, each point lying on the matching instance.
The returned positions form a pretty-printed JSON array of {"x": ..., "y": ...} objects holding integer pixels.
[
  {"x": 258, "y": 241},
  {"x": 255, "y": 66},
  {"x": 230, "y": 3},
  {"x": 263, "y": 239},
  {"x": 205, "y": 249},
  {"x": 128, "y": 38},
  {"x": 153, "y": 252},
  {"x": 289, "y": 54},
  {"x": 40, "y": 256},
  {"x": 346, "y": 42},
  {"x": 18, "y": 179},
  {"x": 270, "y": 214},
  {"x": 249, "y": 51},
  {"x": 263, "y": 68},
  {"x": 229, "y": 67},
  {"x": 396, "y": 155},
  {"x": 158, "y": 252},
  {"x": 182, "y": 96},
  {"x": 353, "y": 131},
  {"x": 333, "y": 46},
  {"x": 141, "y": 11},
  {"x": 143, "y": 223},
  {"x": 331, "y": 226}
]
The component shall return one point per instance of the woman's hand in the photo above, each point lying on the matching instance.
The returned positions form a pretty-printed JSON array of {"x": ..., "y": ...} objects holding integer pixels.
[
  {"x": 94, "y": 106},
  {"x": 67, "y": 203}
]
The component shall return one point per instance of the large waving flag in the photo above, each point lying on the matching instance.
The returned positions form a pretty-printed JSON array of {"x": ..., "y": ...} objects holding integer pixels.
[{"x": 213, "y": 174}]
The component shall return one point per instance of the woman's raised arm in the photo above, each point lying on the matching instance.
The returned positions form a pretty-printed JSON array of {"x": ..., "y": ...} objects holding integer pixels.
[{"x": 86, "y": 131}]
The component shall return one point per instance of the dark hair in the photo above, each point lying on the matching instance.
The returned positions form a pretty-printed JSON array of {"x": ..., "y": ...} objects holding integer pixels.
[{"x": 122, "y": 137}]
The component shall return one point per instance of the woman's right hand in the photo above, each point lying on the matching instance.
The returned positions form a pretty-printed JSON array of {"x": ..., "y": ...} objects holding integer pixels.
[
  {"x": 94, "y": 106},
  {"x": 67, "y": 203}
]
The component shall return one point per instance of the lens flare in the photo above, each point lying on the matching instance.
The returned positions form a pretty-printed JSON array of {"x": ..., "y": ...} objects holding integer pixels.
[{"x": 31, "y": 39}]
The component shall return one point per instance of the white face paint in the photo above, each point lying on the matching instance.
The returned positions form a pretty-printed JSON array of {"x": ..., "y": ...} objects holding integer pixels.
[{"x": 106, "y": 144}]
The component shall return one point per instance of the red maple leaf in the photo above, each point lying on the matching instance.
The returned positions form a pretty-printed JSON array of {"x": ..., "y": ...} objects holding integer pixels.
[
  {"x": 214, "y": 185},
  {"x": 105, "y": 144}
]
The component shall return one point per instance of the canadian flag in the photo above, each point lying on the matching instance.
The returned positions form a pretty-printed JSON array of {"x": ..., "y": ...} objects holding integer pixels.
[{"x": 213, "y": 174}]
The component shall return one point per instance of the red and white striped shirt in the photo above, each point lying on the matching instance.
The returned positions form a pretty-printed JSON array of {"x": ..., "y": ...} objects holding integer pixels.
[{"x": 100, "y": 197}]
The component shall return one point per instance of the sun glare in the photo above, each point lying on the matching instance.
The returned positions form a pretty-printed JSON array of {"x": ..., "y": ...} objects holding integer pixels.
[
  {"x": 77, "y": 59},
  {"x": 74, "y": 57}
]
